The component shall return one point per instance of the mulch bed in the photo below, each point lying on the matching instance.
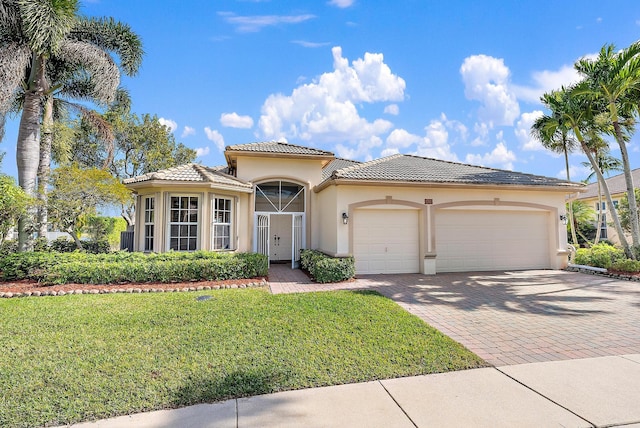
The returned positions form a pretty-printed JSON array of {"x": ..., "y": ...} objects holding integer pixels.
[{"x": 26, "y": 288}]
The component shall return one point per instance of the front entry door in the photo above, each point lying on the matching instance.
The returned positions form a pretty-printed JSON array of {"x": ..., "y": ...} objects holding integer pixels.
[{"x": 280, "y": 235}]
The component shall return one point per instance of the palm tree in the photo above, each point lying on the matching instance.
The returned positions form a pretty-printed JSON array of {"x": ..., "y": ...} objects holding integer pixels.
[
  {"x": 612, "y": 82},
  {"x": 607, "y": 163},
  {"x": 555, "y": 135},
  {"x": 47, "y": 49},
  {"x": 575, "y": 110}
]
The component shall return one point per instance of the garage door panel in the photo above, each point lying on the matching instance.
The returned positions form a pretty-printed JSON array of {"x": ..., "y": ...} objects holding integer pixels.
[
  {"x": 491, "y": 240},
  {"x": 386, "y": 241}
]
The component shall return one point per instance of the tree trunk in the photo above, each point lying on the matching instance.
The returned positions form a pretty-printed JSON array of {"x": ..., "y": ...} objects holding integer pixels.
[
  {"x": 633, "y": 206},
  {"x": 605, "y": 188},
  {"x": 599, "y": 221},
  {"x": 44, "y": 166},
  {"x": 76, "y": 239},
  {"x": 572, "y": 226},
  {"x": 28, "y": 149}
]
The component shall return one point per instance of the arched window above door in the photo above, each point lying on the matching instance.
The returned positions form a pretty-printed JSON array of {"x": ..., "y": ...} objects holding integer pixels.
[{"x": 279, "y": 196}]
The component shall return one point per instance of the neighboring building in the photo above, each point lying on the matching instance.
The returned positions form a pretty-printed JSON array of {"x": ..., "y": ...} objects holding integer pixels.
[
  {"x": 394, "y": 215},
  {"x": 618, "y": 188}
]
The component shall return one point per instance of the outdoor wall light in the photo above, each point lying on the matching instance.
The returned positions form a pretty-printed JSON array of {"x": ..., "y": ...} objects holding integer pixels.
[
  {"x": 563, "y": 218},
  {"x": 345, "y": 218}
]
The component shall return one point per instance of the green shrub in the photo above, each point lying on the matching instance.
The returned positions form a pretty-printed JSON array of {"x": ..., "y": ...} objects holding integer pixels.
[
  {"x": 627, "y": 265},
  {"x": 122, "y": 266},
  {"x": 8, "y": 247},
  {"x": 601, "y": 255},
  {"x": 327, "y": 269},
  {"x": 63, "y": 245}
]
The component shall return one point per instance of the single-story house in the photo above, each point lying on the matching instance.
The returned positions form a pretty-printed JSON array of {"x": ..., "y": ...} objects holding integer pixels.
[
  {"x": 397, "y": 214},
  {"x": 618, "y": 188}
]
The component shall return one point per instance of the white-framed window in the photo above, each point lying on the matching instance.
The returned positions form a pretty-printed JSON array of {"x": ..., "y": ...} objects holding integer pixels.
[
  {"x": 221, "y": 224},
  {"x": 183, "y": 222},
  {"x": 149, "y": 222},
  {"x": 604, "y": 206}
]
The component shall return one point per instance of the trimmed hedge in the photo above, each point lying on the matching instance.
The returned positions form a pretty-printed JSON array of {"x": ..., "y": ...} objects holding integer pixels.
[
  {"x": 83, "y": 268},
  {"x": 601, "y": 255},
  {"x": 327, "y": 269}
]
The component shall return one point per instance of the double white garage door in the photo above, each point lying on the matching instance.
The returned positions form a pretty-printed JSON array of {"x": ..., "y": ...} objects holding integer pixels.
[{"x": 388, "y": 241}]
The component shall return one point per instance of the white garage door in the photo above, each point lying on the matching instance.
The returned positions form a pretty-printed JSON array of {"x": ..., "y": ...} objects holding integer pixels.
[
  {"x": 491, "y": 240},
  {"x": 386, "y": 241}
]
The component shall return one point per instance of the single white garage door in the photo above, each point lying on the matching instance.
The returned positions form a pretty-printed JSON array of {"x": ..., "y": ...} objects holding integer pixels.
[
  {"x": 476, "y": 240},
  {"x": 386, "y": 241}
]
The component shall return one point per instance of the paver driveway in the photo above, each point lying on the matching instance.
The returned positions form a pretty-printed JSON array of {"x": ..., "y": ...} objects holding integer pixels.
[{"x": 511, "y": 317}]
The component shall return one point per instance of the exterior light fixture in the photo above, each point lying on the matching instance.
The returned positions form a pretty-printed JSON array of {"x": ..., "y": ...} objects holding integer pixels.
[
  {"x": 345, "y": 218},
  {"x": 563, "y": 218}
]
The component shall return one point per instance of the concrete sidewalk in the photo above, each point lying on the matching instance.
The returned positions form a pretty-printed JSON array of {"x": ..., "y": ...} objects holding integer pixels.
[{"x": 603, "y": 391}]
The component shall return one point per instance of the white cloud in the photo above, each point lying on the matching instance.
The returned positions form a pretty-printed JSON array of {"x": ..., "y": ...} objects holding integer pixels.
[
  {"x": 362, "y": 149},
  {"x": 188, "y": 131},
  {"x": 576, "y": 172},
  {"x": 486, "y": 80},
  {"x": 547, "y": 81},
  {"x": 325, "y": 110},
  {"x": 171, "y": 124},
  {"x": 523, "y": 131},
  {"x": 342, "y": 4},
  {"x": 440, "y": 135},
  {"x": 216, "y": 137},
  {"x": 400, "y": 138},
  {"x": 392, "y": 109},
  {"x": 435, "y": 143},
  {"x": 306, "y": 44},
  {"x": 482, "y": 134},
  {"x": 202, "y": 151},
  {"x": 500, "y": 157},
  {"x": 233, "y": 120},
  {"x": 255, "y": 23}
]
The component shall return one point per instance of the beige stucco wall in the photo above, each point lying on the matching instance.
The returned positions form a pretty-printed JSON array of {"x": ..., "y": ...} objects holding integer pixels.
[
  {"x": 336, "y": 199},
  {"x": 256, "y": 169},
  {"x": 612, "y": 234}
]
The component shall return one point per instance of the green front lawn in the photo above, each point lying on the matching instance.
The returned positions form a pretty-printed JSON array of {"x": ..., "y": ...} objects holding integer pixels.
[{"x": 83, "y": 357}]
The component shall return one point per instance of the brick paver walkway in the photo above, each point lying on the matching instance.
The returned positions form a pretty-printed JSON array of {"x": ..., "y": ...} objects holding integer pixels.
[{"x": 511, "y": 317}]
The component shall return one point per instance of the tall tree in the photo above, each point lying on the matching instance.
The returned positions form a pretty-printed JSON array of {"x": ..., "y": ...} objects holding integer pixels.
[
  {"x": 612, "y": 83},
  {"x": 48, "y": 48},
  {"x": 142, "y": 144},
  {"x": 575, "y": 110},
  {"x": 607, "y": 164},
  {"x": 77, "y": 193},
  {"x": 555, "y": 135}
]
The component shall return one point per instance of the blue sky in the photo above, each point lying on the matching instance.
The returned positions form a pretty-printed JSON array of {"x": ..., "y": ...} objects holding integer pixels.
[{"x": 455, "y": 80}]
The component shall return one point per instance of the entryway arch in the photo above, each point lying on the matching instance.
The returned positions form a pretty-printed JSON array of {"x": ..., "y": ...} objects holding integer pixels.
[{"x": 280, "y": 207}]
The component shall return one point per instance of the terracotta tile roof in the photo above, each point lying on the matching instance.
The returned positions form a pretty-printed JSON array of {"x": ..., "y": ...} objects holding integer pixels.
[
  {"x": 616, "y": 185},
  {"x": 406, "y": 168},
  {"x": 192, "y": 172},
  {"x": 277, "y": 147},
  {"x": 337, "y": 163}
]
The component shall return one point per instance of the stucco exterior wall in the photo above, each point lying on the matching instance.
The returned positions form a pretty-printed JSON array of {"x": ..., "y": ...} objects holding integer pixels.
[
  {"x": 256, "y": 169},
  {"x": 350, "y": 197}
]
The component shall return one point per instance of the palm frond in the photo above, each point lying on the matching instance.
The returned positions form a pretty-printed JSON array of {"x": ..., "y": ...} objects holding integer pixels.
[
  {"x": 45, "y": 23},
  {"x": 113, "y": 36},
  {"x": 10, "y": 24},
  {"x": 14, "y": 62},
  {"x": 96, "y": 63}
]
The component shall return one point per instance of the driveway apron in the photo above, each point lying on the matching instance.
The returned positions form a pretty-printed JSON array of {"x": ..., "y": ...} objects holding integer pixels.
[{"x": 516, "y": 317}]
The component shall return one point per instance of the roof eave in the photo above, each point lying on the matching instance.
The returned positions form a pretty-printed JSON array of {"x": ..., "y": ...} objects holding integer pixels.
[
  {"x": 231, "y": 156},
  {"x": 393, "y": 183},
  {"x": 197, "y": 184}
]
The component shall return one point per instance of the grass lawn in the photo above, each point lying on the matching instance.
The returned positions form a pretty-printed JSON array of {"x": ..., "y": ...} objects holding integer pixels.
[{"x": 83, "y": 357}]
